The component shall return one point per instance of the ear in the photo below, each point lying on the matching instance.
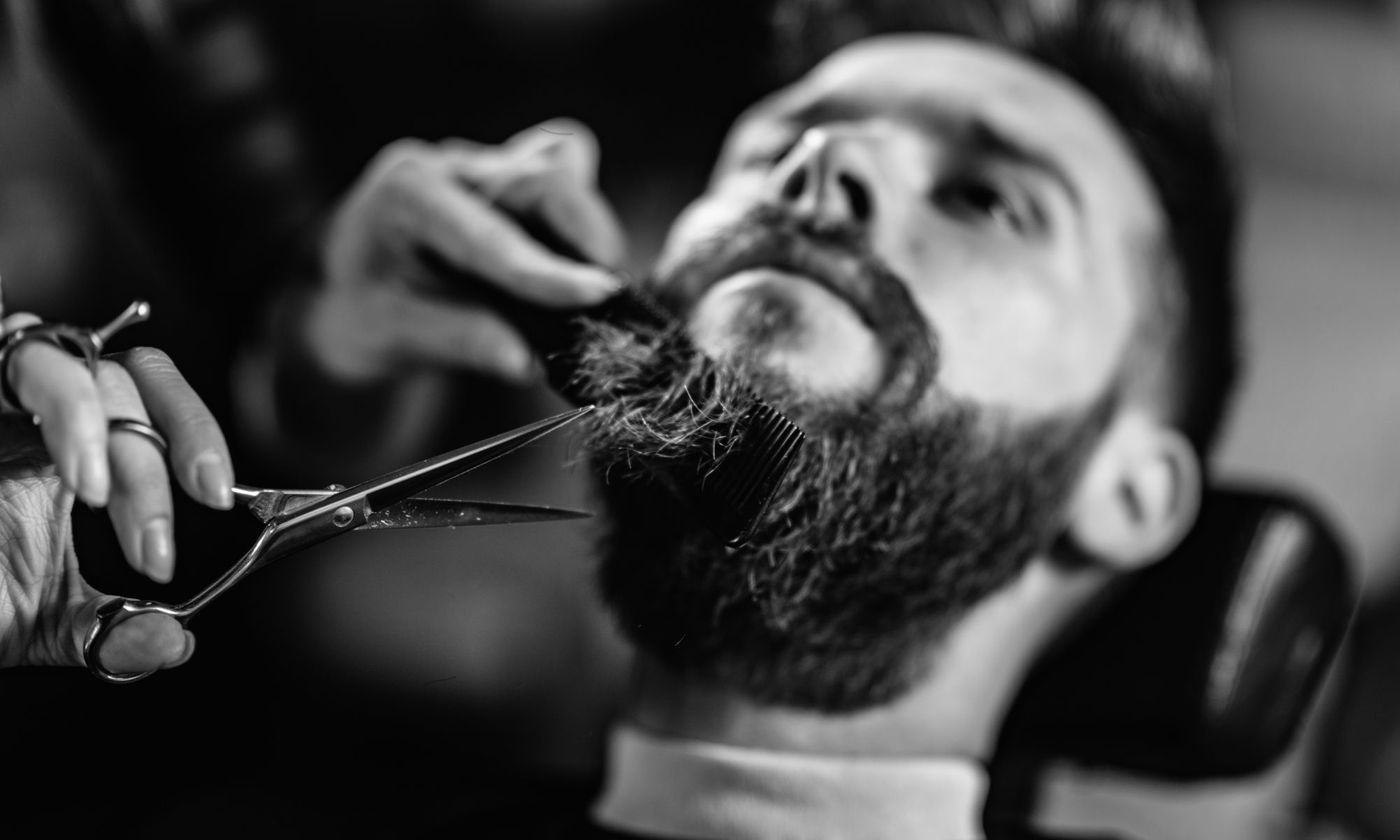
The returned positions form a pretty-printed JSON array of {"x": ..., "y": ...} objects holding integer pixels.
[{"x": 1139, "y": 494}]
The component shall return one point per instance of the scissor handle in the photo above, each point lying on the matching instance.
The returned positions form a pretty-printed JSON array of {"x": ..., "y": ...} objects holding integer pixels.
[
  {"x": 111, "y": 613},
  {"x": 84, "y": 343}
]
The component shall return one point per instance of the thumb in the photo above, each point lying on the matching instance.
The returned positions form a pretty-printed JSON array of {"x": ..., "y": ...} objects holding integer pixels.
[{"x": 144, "y": 642}]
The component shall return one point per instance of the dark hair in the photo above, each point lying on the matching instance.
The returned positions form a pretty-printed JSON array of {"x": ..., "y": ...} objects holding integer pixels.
[{"x": 1148, "y": 63}]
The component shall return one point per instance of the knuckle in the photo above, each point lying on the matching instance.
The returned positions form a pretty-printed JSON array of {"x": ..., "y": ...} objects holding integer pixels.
[
  {"x": 407, "y": 170},
  {"x": 147, "y": 360},
  {"x": 114, "y": 378},
  {"x": 403, "y": 149},
  {"x": 403, "y": 160},
  {"x": 403, "y": 185},
  {"x": 399, "y": 170}
]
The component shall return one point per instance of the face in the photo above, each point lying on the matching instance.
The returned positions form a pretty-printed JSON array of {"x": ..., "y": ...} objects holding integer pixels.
[
  {"x": 1001, "y": 196},
  {"x": 928, "y": 253}
]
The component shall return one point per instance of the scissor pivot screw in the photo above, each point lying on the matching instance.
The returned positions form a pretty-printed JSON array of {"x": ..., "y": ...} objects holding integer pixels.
[{"x": 343, "y": 516}]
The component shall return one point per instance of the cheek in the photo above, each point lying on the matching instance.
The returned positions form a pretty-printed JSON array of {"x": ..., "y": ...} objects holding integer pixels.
[
  {"x": 1023, "y": 347},
  {"x": 1020, "y": 326}
]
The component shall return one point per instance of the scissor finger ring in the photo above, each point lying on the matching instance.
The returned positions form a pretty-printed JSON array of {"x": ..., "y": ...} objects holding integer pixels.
[{"x": 84, "y": 343}]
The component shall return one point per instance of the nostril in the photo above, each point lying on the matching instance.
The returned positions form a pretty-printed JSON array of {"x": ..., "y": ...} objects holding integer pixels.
[
  {"x": 794, "y": 185},
  {"x": 857, "y": 196}
]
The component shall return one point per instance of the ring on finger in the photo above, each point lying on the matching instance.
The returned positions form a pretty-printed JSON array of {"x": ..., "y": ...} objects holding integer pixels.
[
  {"x": 142, "y": 428},
  {"x": 84, "y": 343}
]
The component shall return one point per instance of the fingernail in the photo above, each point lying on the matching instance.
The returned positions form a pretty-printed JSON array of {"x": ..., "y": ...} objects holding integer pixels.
[
  {"x": 189, "y": 651},
  {"x": 69, "y": 471},
  {"x": 92, "y": 476},
  {"x": 157, "y": 552},
  {"x": 613, "y": 282},
  {"x": 214, "y": 482},
  {"x": 519, "y": 365},
  {"x": 603, "y": 281}
]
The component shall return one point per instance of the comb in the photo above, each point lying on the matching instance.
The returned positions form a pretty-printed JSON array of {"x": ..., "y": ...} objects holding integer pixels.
[{"x": 729, "y": 496}]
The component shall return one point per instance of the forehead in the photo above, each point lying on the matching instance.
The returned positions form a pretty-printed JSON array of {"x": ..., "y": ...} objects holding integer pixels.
[{"x": 953, "y": 86}]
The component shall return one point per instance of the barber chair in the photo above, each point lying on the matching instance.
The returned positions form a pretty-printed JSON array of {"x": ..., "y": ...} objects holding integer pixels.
[{"x": 1203, "y": 667}]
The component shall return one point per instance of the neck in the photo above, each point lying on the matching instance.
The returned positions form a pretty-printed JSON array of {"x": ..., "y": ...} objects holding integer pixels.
[{"x": 955, "y": 711}]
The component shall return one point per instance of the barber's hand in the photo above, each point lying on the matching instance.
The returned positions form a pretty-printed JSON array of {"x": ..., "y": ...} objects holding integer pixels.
[
  {"x": 46, "y": 608},
  {"x": 381, "y": 309}
]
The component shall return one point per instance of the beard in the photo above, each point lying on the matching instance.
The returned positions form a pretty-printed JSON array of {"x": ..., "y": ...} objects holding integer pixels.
[{"x": 901, "y": 511}]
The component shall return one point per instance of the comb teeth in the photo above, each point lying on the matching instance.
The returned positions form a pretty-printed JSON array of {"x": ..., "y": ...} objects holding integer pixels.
[{"x": 733, "y": 496}]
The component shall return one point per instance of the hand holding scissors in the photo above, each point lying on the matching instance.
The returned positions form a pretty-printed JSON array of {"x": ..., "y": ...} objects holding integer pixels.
[
  {"x": 64, "y": 404},
  {"x": 298, "y": 519},
  {"x": 65, "y": 430}
]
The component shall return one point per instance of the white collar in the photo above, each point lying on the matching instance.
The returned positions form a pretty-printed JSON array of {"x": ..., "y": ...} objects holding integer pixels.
[{"x": 703, "y": 791}]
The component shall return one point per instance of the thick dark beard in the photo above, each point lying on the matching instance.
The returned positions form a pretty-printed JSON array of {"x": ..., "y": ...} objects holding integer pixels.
[{"x": 884, "y": 532}]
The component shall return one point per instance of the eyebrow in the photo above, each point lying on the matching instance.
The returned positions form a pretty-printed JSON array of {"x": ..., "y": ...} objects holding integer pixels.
[
  {"x": 989, "y": 139},
  {"x": 983, "y": 135}
]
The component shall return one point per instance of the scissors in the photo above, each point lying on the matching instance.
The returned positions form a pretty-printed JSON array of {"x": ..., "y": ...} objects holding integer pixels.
[{"x": 298, "y": 519}]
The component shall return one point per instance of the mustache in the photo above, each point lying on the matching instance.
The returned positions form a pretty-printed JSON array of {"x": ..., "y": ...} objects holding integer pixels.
[{"x": 835, "y": 256}]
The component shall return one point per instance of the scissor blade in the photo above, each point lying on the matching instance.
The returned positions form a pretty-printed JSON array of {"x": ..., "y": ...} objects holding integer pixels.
[
  {"x": 452, "y": 513},
  {"x": 394, "y": 487}
]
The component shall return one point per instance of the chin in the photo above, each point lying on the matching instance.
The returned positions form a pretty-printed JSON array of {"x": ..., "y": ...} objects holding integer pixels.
[{"x": 792, "y": 327}]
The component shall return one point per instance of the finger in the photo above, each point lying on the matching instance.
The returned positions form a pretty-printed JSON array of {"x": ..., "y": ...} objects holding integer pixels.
[
  {"x": 199, "y": 453},
  {"x": 141, "y": 508},
  {"x": 474, "y": 236},
  {"x": 146, "y": 642},
  {"x": 18, "y": 320},
  {"x": 58, "y": 390},
  {"x": 573, "y": 205},
  {"x": 143, "y": 642},
  {"x": 453, "y": 335},
  {"x": 548, "y": 172}
]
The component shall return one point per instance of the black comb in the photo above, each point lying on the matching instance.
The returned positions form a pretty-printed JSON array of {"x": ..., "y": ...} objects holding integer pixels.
[{"x": 729, "y": 496}]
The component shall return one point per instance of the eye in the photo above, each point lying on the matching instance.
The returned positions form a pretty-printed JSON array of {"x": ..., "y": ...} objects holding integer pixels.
[
  {"x": 768, "y": 155},
  {"x": 983, "y": 201}
]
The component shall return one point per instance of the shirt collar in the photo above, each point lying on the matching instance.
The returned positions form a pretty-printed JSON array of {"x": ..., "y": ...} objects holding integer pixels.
[{"x": 670, "y": 788}]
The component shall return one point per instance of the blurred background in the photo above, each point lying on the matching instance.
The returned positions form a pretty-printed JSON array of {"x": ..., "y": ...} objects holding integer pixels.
[{"x": 331, "y": 692}]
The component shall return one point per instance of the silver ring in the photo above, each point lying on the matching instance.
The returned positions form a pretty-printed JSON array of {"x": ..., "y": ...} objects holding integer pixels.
[{"x": 142, "y": 428}]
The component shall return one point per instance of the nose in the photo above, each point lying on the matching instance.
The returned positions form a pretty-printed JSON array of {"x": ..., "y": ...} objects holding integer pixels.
[{"x": 828, "y": 177}]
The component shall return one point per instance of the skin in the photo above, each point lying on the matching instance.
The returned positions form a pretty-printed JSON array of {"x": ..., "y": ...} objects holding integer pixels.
[
  {"x": 1024, "y": 275},
  {"x": 1026, "y": 285},
  {"x": 46, "y": 608},
  {"x": 1029, "y": 272}
]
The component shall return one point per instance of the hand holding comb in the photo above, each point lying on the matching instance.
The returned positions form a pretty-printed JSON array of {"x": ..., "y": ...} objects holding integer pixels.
[{"x": 731, "y": 488}]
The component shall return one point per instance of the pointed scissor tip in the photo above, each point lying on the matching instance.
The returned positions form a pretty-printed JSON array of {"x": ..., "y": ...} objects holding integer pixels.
[{"x": 440, "y": 513}]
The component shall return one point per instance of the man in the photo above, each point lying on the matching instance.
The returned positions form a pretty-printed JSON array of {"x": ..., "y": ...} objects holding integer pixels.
[{"x": 987, "y": 271}]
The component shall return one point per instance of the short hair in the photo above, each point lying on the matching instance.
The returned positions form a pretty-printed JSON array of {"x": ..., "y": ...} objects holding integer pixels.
[{"x": 1149, "y": 64}]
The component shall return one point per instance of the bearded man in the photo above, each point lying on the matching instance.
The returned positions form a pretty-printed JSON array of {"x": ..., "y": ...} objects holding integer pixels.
[{"x": 981, "y": 254}]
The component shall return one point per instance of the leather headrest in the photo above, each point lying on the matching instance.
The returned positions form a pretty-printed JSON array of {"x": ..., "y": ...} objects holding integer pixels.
[{"x": 1206, "y": 663}]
